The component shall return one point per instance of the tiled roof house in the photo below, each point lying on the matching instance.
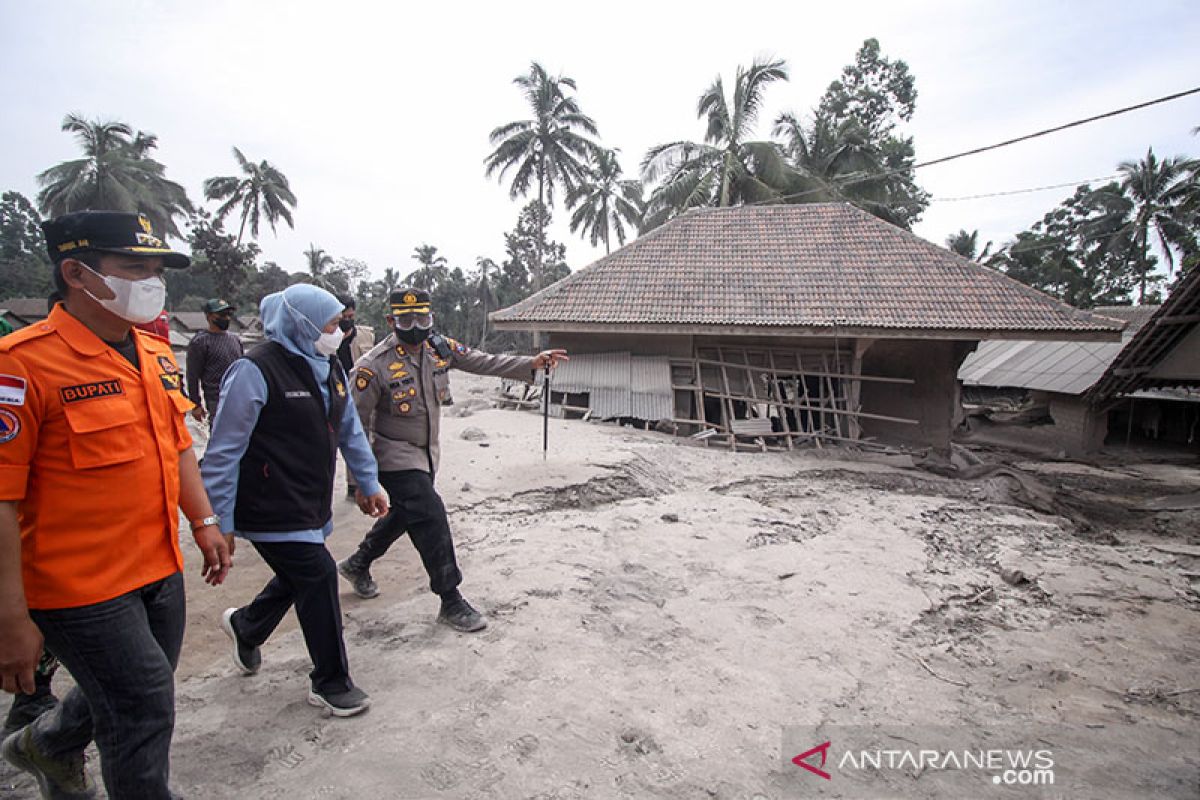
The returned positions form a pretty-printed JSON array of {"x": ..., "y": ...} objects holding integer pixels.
[{"x": 772, "y": 316}]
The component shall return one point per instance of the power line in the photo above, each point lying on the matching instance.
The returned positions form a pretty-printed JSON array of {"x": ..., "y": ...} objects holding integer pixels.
[
  {"x": 1058, "y": 128},
  {"x": 1023, "y": 191},
  {"x": 850, "y": 181}
]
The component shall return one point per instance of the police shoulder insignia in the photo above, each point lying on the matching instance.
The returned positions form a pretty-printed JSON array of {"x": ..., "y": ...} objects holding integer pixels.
[
  {"x": 339, "y": 387},
  {"x": 362, "y": 378},
  {"x": 10, "y": 425}
]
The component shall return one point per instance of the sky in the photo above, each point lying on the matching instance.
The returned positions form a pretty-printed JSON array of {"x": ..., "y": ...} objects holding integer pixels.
[{"x": 379, "y": 113}]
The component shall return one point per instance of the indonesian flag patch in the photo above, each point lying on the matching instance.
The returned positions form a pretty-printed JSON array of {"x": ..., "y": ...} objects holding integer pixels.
[{"x": 12, "y": 390}]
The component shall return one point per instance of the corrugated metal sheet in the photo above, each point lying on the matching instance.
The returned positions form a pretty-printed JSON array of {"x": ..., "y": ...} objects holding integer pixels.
[
  {"x": 650, "y": 394},
  {"x": 1065, "y": 367},
  {"x": 619, "y": 384}
]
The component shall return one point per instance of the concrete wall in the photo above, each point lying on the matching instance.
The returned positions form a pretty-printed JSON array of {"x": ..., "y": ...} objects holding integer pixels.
[
  {"x": 932, "y": 400},
  {"x": 1078, "y": 427}
]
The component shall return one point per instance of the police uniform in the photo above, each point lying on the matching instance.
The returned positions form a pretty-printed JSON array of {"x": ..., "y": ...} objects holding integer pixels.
[
  {"x": 90, "y": 441},
  {"x": 399, "y": 396}
]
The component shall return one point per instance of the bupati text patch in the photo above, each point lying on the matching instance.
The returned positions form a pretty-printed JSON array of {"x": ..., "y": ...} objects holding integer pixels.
[{"x": 90, "y": 391}]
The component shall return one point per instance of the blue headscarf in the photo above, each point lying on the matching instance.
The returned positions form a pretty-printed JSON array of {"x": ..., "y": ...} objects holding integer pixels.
[{"x": 295, "y": 318}]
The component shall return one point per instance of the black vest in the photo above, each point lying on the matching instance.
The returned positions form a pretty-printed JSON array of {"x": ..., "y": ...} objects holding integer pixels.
[{"x": 285, "y": 481}]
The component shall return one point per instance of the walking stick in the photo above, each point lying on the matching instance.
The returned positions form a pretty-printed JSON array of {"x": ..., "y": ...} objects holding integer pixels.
[{"x": 546, "y": 412}]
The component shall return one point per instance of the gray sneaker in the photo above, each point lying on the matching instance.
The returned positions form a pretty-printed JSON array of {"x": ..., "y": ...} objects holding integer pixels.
[
  {"x": 360, "y": 579},
  {"x": 342, "y": 704},
  {"x": 58, "y": 778},
  {"x": 25, "y": 709},
  {"x": 461, "y": 616},
  {"x": 246, "y": 658}
]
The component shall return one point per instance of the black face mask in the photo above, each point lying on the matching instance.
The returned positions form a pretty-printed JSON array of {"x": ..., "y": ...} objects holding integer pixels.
[
  {"x": 346, "y": 325},
  {"x": 413, "y": 335},
  {"x": 221, "y": 322}
]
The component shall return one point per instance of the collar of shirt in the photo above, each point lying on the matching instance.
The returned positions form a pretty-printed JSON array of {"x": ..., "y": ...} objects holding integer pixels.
[{"x": 79, "y": 336}]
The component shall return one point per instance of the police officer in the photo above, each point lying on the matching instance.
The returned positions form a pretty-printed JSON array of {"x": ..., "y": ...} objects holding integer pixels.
[
  {"x": 400, "y": 384},
  {"x": 95, "y": 464}
]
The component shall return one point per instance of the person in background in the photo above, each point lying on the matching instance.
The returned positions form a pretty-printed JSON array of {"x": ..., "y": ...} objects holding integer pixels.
[
  {"x": 209, "y": 354},
  {"x": 95, "y": 464},
  {"x": 398, "y": 388},
  {"x": 285, "y": 411},
  {"x": 359, "y": 339}
]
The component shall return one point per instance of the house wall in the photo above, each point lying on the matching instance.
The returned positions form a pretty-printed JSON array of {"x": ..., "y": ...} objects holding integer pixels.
[
  {"x": 638, "y": 345},
  {"x": 933, "y": 364},
  {"x": 1183, "y": 362},
  {"x": 1078, "y": 427},
  {"x": 932, "y": 399}
]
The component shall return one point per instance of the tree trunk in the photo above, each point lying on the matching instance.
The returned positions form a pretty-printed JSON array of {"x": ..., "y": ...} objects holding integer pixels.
[{"x": 242, "y": 227}]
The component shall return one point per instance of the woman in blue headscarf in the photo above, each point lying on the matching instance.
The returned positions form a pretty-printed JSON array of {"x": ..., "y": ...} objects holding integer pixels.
[{"x": 269, "y": 468}]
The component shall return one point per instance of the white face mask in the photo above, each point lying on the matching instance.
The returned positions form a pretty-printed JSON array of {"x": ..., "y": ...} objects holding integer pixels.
[
  {"x": 135, "y": 301},
  {"x": 328, "y": 343}
]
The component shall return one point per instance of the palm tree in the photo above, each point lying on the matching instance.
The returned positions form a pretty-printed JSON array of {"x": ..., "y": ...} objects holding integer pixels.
[
  {"x": 727, "y": 168},
  {"x": 967, "y": 245},
  {"x": 262, "y": 191},
  {"x": 1153, "y": 196},
  {"x": 391, "y": 279},
  {"x": 485, "y": 293},
  {"x": 604, "y": 204},
  {"x": 433, "y": 268},
  {"x": 317, "y": 261},
  {"x": 115, "y": 173},
  {"x": 843, "y": 162},
  {"x": 549, "y": 150}
]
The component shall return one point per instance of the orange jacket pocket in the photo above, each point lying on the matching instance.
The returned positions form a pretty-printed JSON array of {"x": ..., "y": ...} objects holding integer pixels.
[{"x": 103, "y": 432}]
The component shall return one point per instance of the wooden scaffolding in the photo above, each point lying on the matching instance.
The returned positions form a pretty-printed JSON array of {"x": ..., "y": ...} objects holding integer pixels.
[{"x": 775, "y": 398}]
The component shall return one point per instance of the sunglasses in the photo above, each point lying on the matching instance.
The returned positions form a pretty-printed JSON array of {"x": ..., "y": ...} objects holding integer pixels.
[{"x": 407, "y": 322}]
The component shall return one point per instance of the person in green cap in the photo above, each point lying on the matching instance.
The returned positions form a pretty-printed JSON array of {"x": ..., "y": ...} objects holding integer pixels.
[{"x": 209, "y": 354}]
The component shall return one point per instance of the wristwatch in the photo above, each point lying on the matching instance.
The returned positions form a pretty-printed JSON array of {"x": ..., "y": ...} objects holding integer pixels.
[{"x": 211, "y": 519}]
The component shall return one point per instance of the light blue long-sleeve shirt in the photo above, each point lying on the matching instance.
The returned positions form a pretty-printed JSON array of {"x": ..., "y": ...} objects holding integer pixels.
[{"x": 243, "y": 394}]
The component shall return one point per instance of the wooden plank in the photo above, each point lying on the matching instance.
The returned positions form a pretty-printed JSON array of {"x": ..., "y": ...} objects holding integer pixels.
[
  {"x": 874, "y": 378},
  {"x": 1178, "y": 319},
  {"x": 1178, "y": 549},
  {"x": 862, "y": 414},
  {"x": 787, "y": 429}
]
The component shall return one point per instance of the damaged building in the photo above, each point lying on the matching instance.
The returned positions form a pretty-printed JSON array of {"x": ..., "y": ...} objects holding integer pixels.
[
  {"x": 783, "y": 325},
  {"x": 1144, "y": 389}
]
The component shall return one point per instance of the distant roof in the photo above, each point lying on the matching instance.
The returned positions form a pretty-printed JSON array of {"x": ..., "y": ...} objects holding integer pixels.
[
  {"x": 1164, "y": 352},
  {"x": 1050, "y": 366},
  {"x": 806, "y": 269},
  {"x": 28, "y": 308}
]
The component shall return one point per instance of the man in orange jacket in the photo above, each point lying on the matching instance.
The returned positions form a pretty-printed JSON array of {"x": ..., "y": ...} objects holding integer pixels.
[{"x": 95, "y": 463}]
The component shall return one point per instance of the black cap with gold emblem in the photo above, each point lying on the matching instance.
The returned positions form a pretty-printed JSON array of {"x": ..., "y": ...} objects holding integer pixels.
[
  {"x": 106, "y": 232},
  {"x": 409, "y": 301}
]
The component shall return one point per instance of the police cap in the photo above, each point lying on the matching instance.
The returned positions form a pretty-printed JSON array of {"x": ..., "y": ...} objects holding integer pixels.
[{"x": 409, "y": 300}]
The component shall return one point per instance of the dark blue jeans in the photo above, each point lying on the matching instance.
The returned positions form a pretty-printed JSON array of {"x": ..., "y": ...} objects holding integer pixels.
[
  {"x": 122, "y": 654},
  {"x": 416, "y": 508}
]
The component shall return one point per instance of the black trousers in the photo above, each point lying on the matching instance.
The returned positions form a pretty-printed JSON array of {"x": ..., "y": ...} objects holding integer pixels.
[
  {"x": 305, "y": 576},
  {"x": 416, "y": 508}
]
